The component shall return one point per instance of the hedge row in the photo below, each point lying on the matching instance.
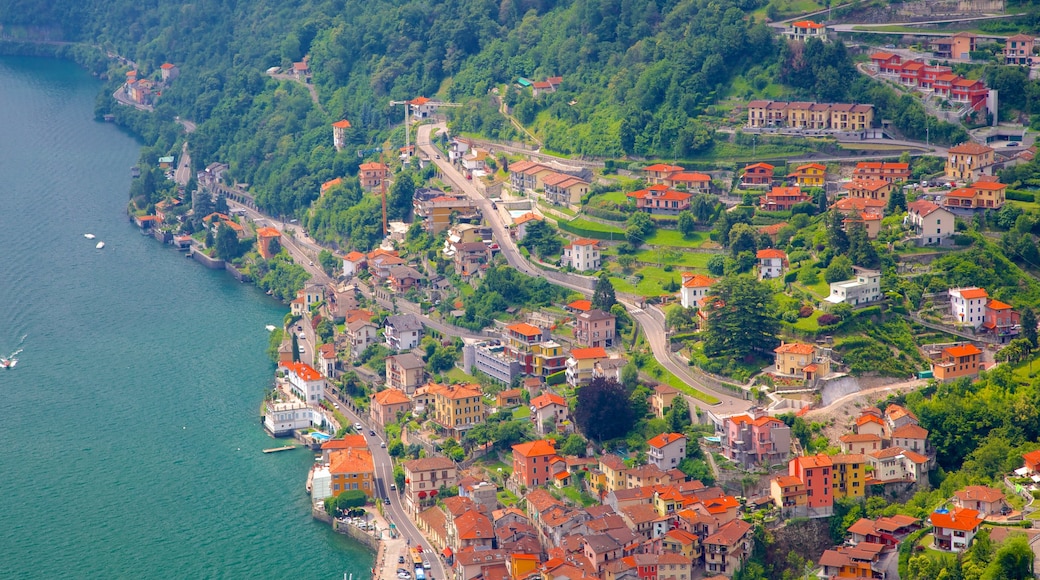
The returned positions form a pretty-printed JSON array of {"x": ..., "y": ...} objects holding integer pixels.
[
  {"x": 1020, "y": 195},
  {"x": 557, "y": 378},
  {"x": 607, "y": 214}
]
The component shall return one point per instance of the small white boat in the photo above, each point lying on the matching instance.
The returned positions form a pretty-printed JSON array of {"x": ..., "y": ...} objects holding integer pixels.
[
  {"x": 270, "y": 328},
  {"x": 13, "y": 362},
  {"x": 100, "y": 245},
  {"x": 89, "y": 236},
  {"x": 7, "y": 363}
]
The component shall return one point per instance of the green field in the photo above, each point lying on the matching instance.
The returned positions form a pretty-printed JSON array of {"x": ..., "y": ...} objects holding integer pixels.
[
  {"x": 675, "y": 239},
  {"x": 652, "y": 284},
  {"x": 667, "y": 256},
  {"x": 810, "y": 323},
  {"x": 617, "y": 197},
  {"x": 598, "y": 227}
]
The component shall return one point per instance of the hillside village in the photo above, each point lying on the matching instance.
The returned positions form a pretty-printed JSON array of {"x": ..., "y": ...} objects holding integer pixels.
[{"x": 497, "y": 340}]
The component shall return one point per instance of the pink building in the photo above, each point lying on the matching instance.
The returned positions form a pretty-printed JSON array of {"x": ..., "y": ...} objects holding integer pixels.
[
  {"x": 815, "y": 472},
  {"x": 753, "y": 440}
]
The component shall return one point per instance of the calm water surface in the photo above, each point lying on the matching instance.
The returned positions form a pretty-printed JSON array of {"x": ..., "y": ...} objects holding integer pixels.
[{"x": 131, "y": 446}]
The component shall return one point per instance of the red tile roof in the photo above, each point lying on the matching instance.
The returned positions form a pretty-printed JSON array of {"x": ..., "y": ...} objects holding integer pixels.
[
  {"x": 546, "y": 399},
  {"x": 391, "y": 397},
  {"x": 970, "y": 149},
  {"x": 963, "y": 520},
  {"x": 979, "y": 493},
  {"x": 794, "y": 348},
  {"x": 771, "y": 253},
  {"x": 537, "y": 448},
  {"x": 583, "y": 305},
  {"x": 663, "y": 168},
  {"x": 588, "y": 353},
  {"x": 302, "y": 370},
  {"x": 972, "y": 293},
  {"x": 665, "y": 439},
  {"x": 965, "y": 350},
  {"x": 696, "y": 280},
  {"x": 344, "y": 124}
]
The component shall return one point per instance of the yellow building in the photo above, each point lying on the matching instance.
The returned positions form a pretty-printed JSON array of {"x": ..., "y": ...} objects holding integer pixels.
[
  {"x": 613, "y": 470},
  {"x": 789, "y": 494},
  {"x": 848, "y": 475},
  {"x": 548, "y": 358},
  {"x": 459, "y": 407},
  {"x": 969, "y": 161},
  {"x": 809, "y": 175},
  {"x": 350, "y": 469}
]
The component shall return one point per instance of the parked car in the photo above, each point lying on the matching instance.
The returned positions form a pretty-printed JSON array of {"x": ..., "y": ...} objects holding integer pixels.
[
  {"x": 357, "y": 427},
  {"x": 426, "y": 564},
  {"x": 400, "y": 560}
]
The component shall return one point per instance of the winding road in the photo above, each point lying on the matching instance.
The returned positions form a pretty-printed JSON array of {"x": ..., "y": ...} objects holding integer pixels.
[{"x": 651, "y": 321}]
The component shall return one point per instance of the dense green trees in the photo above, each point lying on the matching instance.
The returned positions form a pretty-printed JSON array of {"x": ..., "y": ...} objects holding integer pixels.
[
  {"x": 742, "y": 322},
  {"x": 541, "y": 239},
  {"x": 603, "y": 296},
  {"x": 602, "y": 410}
]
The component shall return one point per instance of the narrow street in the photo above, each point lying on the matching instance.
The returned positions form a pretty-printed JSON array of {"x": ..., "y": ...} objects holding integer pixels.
[
  {"x": 651, "y": 322},
  {"x": 384, "y": 467}
]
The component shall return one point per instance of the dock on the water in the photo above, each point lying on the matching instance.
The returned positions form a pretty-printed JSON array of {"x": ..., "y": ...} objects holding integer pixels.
[{"x": 277, "y": 449}]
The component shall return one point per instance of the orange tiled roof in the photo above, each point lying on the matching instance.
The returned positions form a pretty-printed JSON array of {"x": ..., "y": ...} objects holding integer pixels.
[
  {"x": 302, "y": 370},
  {"x": 963, "y": 520},
  {"x": 973, "y": 293},
  {"x": 965, "y": 350},
  {"x": 794, "y": 348},
  {"x": 535, "y": 448},
  {"x": 771, "y": 253},
  {"x": 391, "y": 397},
  {"x": 588, "y": 353},
  {"x": 524, "y": 329},
  {"x": 970, "y": 149},
  {"x": 665, "y": 439},
  {"x": 344, "y": 124}
]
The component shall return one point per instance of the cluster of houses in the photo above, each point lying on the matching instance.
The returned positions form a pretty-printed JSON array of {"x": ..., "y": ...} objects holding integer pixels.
[
  {"x": 843, "y": 117},
  {"x": 525, "y": 348},
  {"x": 934, "y": 79},
  {"x": 652, "y": 522},
  {"x": 143, "y": 90}
]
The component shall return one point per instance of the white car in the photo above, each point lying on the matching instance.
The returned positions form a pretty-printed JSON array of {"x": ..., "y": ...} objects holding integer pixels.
[
  {"x": 426, "y": 564},
  {"x": 357, "y": 426}
]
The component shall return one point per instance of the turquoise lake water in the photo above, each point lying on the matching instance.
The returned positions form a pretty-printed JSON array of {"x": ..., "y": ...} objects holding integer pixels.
[{"x": 131, "y": 446}]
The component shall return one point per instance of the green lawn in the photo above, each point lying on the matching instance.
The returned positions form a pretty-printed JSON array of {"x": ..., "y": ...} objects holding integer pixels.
[
  {"x": 617, "y": 197},
  {"x": 667, "y": 256},
  {"x": 522, "y": 412},
  {"x": 506, "y": 498},
  {"x": 673, "y": 238},
  {"x": 652, "y": 284},
  {"x": 654, "y": 369},
  {"x": 558, "y": 208},
  {"x": 456, "y": 375},
  {"x": 821, "y": 288},
  {"x": 810, "y": 323},
  {"x": 577, "y": 497},
  {"x": 598, "y": 227},
  {"x": 1024, "y": 372}
]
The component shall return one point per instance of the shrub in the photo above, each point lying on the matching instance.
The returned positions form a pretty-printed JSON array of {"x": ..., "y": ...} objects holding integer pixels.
[
  {"x": 805, "y": 311},
  {"x": 828, "y": 319}
]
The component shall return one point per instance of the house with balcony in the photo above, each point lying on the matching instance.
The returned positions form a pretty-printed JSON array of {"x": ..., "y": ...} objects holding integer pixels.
[
  {"x": 694, "y": 288},
  {"x": 809, "y": 175},
  {"x": 956, "y": 362},
  {"x": 1018, "y": 49},
  {"x": 755, "y": 439},
  {"x": 959, "y": 46},
  {"x": 895, "y": 465},
  {"x": 387, "y": 404},
  {"x": 864, "y": 289},
  {"x": 980, "y": 195},
  {"x": 402, "y": 331},
  {"x": 490, "y": 357},
  {"x": 1001, "y": 320},
  {"x": 690, "y": 182},
  {"x": 563, "y": 189},
  {"x": 968, "y": 305},
  {"x": 372, "y": 175},
  {"x": 532, "y": 463},
  {"x": 860, "y": 561},
  {"x": 930, "y": 222},
  {"x": 771, "y": 263},
  {"x": 581, "y": 363},
  {"x": 802, "y": 361},
  {"x": 803, "y": 30},
  {"x": 870, "y": 188},
  {"x": 788, "y": 493},
  {"x": 954, "y": 530},
  {"x": 883, "y": 170},
  {"x": 782, "y": 198},
  {"x": 757, "y": 175},
  {"x": 988, "y": 501},
  {"x": 549, "y": 406},
  {"x": 815, "y": 472},
  {"x": 658, "y": 173},
  {"x": 660, "y": 200},
  {"x": 360, "y": 335},
  {"x": 666, "y": 450},
  {"x": 405, "y": 372},
  {"x": 969, "y": 161},
  {"x": 594, "y": 328},
  {"x": 849, "y": 475},
  {"x": 726, "y": 551},
  {"x": 582, "y": 254},
  {"x": 426, "y": 475},
  {"x": 887, "y": 62},
  {"x": 526, "y": 176}
]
